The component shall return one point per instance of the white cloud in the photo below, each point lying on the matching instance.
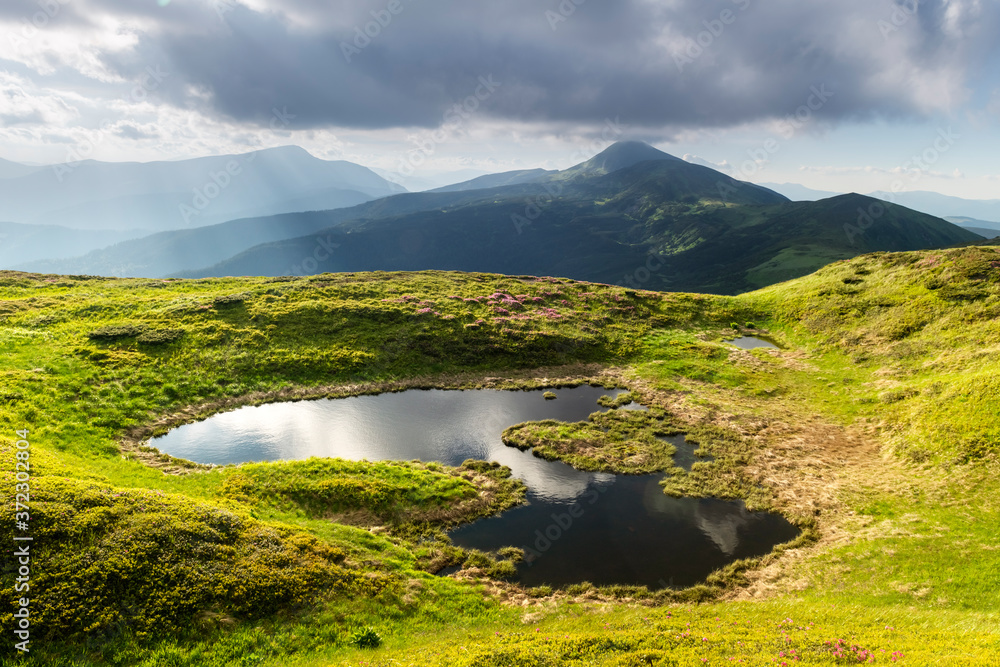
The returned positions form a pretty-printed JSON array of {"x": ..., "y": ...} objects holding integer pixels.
[
  {"x": 78, "y": 48},
  {"x": 894, "y": 171},
  {"x": 723, "y": 166},
  {"x": 22, "y": 102}
]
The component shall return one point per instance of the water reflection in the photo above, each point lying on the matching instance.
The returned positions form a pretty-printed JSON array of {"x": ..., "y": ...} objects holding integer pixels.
[
  {"x": 751, "y": 343},
  {"x": 429, "y": 425},
  {"x": 578, "y": 526},
  {"x": 626, "y": 531}
]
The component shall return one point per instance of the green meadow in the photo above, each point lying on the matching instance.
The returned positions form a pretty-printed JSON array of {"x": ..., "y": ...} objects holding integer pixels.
[{"x": 875, "y": 427}]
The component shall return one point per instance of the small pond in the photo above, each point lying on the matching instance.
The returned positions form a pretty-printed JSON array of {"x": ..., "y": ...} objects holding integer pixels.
[
  {"x": 578, "y": 526},
  {"x": 752, "y": 343}
]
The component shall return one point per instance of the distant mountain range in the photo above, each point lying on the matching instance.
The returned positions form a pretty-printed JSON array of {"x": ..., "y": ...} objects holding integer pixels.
[
  {"x": 10, "y": 169},
  {"x": 631, "y": 215},
  {"x": 984, "y": 228},
  {"x": 497, "y": 180},
  {"x": 943, "y": 205},
  {"x": 931, "y": 203},
  {"x": 154, "y": 196},
  {"x": 797, "y": 192},
  {"x": 20, "y": 244}
]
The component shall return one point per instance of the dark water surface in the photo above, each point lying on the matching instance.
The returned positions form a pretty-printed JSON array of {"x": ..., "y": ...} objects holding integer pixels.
[{"x": 578, "y": 526}]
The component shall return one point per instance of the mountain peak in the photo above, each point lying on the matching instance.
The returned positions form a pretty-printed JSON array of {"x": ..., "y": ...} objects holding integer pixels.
[
  {"x": 621, "y": 155},
  {"x": 287, "y": 152},
  {"x": 624, "y": 154}
]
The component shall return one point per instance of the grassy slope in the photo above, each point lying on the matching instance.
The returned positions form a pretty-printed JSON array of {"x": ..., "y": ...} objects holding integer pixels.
[{"x": 899, "y": 348}]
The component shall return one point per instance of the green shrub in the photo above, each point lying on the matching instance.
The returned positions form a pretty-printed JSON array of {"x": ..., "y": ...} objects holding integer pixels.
[
  {"x": 540, "y": 591},
  {"x": 230, "y": 299},
  {"x": 579, "y": 589},
  {"x": 476, "y": 558},
  {"x": 366, "y": 638},
  {"x": 116, "y": 332},
  {"x": 142, "y": 562},
  {"x": 502, "y": 569},
  {"x": 513, "y": 554},
  {"x": 962, "y": 292},
  {"x": 159, "y": 336}
]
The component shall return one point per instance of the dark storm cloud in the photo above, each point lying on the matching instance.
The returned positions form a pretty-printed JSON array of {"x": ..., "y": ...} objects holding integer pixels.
[{"x": 654, "y": 63}]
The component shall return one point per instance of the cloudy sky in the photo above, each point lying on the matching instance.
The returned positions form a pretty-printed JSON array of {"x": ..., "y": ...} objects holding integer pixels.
[{"x": 846, "y": 95}]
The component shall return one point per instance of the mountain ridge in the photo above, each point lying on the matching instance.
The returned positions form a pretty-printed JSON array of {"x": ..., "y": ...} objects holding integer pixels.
[
  {"x": 664, "y": 224},
  {"x": 612, "y": 219},
  {"x": 160, "y": 195}
]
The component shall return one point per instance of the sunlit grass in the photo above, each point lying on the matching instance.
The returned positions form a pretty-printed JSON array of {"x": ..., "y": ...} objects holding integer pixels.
[{"x": 903, "y": 346}]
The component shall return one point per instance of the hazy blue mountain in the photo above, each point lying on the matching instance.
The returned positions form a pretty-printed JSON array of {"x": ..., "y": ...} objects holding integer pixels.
[
  {"x": 420, "y": 181},
  {"x": 185, "y": 193},
  {"x": 962, "y": 221},
  {"x": 797, "y": 192},
  {"x": 186, "y": 250},
  {"x": 27, "y": 243},
  {"x": 172, "y": 251},
  {"x": 660, "y": 223},
  {"x": 10, "y": 169},
  {"x": 497, "y": 180},
  {"x": 942, "y": 206},
  {"x": 986, "y": 229}
]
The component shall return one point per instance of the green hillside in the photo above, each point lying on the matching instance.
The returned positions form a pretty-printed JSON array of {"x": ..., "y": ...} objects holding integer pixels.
[
  {"x": 631, "y": 215},
  {"x": 660, "y": 224},
  {"x": 874, "y": 427}
]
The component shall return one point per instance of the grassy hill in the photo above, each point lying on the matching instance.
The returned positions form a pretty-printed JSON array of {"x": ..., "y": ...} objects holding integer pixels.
[
  {"x": 875, "y": 426},
  {"x": 657, "y": 225}
]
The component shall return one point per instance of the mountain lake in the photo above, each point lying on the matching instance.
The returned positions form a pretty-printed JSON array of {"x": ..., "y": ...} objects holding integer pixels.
[{"x": 577, "y": 526}]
